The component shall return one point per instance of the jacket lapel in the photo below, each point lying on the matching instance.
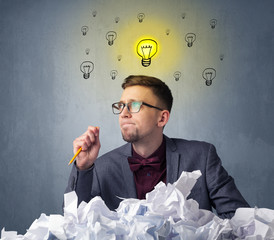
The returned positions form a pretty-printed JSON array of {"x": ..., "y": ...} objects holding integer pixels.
[
  {"x": 172, "y": 161},
  {"x": 127, "y": 173}
]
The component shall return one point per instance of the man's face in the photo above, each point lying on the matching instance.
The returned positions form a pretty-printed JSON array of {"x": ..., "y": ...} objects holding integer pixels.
[{"x": 142, "y": 125}]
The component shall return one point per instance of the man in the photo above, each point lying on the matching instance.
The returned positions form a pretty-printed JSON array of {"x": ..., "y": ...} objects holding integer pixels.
[{"x": 133, "y": 169}]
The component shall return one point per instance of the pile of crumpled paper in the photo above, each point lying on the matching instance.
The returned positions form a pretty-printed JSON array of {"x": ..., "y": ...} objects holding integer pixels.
[{"x": 164, "y": 214}]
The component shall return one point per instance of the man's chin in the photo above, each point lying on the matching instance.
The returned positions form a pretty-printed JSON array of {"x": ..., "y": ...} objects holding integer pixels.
[{"x": 129, "y": 139}]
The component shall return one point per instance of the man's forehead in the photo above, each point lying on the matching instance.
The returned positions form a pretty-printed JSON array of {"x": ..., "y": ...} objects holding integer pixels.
[{"x": 137, "y": 93}]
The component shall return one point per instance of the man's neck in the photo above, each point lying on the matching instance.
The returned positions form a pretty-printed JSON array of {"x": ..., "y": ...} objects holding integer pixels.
[{"x": 146, "y": 148}]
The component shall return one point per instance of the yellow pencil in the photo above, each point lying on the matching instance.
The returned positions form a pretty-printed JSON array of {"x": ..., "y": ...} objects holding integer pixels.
[{"x": 76, "y": 154}]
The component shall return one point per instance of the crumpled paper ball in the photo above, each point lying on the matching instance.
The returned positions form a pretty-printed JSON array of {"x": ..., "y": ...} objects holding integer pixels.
[{"x": 166, "y": 213}]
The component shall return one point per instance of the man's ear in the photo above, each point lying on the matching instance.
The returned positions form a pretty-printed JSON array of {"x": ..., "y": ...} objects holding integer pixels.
[{"x": 163, "y": 118}]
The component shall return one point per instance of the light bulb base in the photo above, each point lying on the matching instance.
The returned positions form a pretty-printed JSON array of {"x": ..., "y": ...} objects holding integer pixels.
[
  {"x": 189, "y": 44},
  {"x": 208, "y": 82},
  {"x": 146, "y": 62},
  {"x": 86, "y": 75}
]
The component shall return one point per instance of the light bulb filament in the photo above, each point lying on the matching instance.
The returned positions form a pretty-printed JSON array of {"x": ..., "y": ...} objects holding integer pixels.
[
  {"x": 209, "y": 75},
  {"x": 86, "y": 68},
  {"x": 146, "y": 51}
]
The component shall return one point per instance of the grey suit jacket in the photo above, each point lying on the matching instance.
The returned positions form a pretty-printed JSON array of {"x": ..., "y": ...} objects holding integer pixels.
[{"x": 110, "y": 177}]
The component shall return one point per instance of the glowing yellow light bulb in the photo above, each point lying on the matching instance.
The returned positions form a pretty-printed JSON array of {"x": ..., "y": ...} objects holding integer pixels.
[{"x": 146, "y": 49}]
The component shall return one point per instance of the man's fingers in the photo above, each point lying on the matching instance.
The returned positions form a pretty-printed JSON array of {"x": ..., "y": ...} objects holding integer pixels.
[{"x": 89, "y": 138}]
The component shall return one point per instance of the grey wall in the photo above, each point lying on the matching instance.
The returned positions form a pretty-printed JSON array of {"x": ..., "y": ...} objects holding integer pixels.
[{"x": 45, "y": 102}]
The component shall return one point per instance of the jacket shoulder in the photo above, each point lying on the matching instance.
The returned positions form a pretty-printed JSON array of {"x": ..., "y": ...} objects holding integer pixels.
[{"x": 179, "y": 144}]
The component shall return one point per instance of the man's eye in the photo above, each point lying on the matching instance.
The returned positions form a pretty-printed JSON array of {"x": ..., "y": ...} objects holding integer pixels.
[
  {"x": 120, "y": 105},
  {"x": 135, "y": 104}
]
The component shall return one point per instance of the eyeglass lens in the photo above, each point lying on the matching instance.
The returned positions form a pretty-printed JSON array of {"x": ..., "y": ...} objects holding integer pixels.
[{"x": 133, "y": 107}]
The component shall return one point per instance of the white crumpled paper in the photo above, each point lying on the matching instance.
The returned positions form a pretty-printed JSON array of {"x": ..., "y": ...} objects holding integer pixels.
[{"x": 166, "y": 213}]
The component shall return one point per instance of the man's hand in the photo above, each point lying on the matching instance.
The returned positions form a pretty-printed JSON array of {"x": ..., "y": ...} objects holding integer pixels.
[{"x": 90, "y": 144}]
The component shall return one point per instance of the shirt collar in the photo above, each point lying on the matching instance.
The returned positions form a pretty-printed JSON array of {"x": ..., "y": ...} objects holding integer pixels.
[{"x": 160, "y": 152}]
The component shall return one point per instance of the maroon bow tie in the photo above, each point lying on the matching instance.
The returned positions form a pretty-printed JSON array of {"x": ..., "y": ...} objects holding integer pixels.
[{"x": 135, "y": 163}]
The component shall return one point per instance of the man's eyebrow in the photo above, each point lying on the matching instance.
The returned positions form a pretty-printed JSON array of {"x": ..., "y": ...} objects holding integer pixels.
[{"x": 130, "y": 100}]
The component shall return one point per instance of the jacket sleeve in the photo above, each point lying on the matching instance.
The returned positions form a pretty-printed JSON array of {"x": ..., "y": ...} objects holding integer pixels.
[
  {"x": 224, "y": 195},
  {"x": 81, "y": 181}
]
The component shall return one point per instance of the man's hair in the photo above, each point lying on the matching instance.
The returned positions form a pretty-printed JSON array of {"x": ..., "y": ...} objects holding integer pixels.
[{"x": 158, "y": 87}]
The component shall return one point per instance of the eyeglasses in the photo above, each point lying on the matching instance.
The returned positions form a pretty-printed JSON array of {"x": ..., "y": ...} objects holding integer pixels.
[{"x": 132, "y": 107}]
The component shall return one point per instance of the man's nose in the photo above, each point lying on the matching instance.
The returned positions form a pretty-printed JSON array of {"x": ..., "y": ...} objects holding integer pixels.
[{"x": 125, "y": 112}]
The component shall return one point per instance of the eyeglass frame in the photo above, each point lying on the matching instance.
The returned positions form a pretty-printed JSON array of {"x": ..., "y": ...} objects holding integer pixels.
[{"x": 126, "y": 104}]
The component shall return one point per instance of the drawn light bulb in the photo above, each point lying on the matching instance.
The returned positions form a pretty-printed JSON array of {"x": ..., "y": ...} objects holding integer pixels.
[
  {"x": 87, "y": 51},
  {"x": 177, "y": 75},
  {"x": 84, "y": 30},
  {"x": 213, "y": 23},
  {"x": 117, "y": 19},
  {"x": 222, "y": 57},
  {"x": 111, "y": 36},
  {"x": 113, "y": 74},
  {"x": 86, "y": 68},
  {"x": 94, "y": 13},
  {"x": 146, "y": 49},
  {"x": 209, "y": 74},
  {"x": 141, "y": 17},
  {"x": 190, "y": 39}
]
